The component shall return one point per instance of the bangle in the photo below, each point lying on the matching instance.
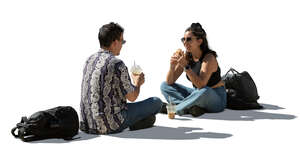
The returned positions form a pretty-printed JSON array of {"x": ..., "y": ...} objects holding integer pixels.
[{"x": 187, "y": 67}]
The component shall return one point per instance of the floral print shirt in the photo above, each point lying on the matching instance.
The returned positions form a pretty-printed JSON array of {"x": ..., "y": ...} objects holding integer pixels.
[{"x": 104, "y": 85}]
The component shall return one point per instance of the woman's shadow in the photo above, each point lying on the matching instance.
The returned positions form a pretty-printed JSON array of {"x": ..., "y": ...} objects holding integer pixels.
[
  {"x": 249, "y": 115},
  {"x": 156, "y": 132},
  {"x": 170, "y": 133},
  {"x": 184, "y": 133}
]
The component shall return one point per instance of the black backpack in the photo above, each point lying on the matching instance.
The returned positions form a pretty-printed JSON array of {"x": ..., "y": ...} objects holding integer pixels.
[
  {"x": 241, "y": 91},
  {"x": 59, "y": 122}
]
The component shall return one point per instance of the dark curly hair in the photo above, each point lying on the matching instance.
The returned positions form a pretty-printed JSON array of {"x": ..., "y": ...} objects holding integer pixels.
[
  {"x": 108, "y": 33},
  {"x": 200, "y": 33}
]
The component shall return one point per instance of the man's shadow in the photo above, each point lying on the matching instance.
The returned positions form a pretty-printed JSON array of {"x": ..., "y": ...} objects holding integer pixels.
[
  {"x": 81, "y": 136},
  {"x": 184, "y": 133},
  {"x": 169, "y": 133},
  {"x": 249, "y": 115},
  {"x": 156, "y": 132}
]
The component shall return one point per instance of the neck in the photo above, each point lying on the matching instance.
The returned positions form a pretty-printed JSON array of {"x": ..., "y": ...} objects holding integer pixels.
[
  {"x": 110, "y": 49},
  {"x": 197, "y": 55}
]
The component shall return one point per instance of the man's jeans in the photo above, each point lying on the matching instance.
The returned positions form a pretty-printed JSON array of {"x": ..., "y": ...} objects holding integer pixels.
[
  {"x": 211, "y": 99},
  {"x": 140, "y": 110}
]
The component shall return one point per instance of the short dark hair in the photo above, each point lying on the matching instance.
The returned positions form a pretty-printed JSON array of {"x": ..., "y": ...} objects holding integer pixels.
[{"x": 108, "y": 33}]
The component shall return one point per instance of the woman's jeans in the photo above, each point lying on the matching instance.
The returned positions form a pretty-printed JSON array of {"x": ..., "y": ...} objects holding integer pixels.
[
  {"x": 140, "y": 110},
  {"x": 211, "y": 99}
]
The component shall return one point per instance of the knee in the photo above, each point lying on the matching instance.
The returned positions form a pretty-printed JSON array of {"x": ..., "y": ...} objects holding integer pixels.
[
  {"x": 203, "y": 91},
  {"x": 164, "y": 85},
  {"x": 157, "y": 103},
  {"x": 216, "y": 109}
]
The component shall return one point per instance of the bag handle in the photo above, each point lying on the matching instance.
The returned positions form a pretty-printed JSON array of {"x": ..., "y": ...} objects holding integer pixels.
[
  {"x": 231, "y": 70},
  {"x": 21, "y": 134},
  {"x": 13, "y": 132},
  {"x": 21, "y": 130}
]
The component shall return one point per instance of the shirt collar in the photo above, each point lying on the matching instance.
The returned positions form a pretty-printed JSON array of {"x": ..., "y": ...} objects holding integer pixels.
[{"x": 104, "y": 51}]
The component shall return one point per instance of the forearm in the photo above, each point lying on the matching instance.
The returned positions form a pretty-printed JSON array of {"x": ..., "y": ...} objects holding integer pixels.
[
  {"x": 170, "y": 76},
  {"x": 195, "y": 79},
  {"x": 174, "y": 74},
  {"x": 132, "y": 96},
  {"x": 136, "y": 91}
]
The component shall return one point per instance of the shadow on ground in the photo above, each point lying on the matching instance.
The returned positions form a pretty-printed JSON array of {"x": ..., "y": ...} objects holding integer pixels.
[
  {"x": 170, "y": 133},
  {"x": 249, "y": 115},
  {"x": 185, "y": 133},
  {"x": 81, "y": 136}
]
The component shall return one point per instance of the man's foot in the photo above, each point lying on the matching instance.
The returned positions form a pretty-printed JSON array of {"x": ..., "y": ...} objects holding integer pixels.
[
  {"x": 144, "y": 123},
  {"x": 196, "y": 111},
  {"x": 163, "y": 109}
]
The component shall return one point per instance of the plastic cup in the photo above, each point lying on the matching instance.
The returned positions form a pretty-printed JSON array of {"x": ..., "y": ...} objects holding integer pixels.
[
  {"x": 171, "y": 111},
  {"x": 136, "y": 69}
]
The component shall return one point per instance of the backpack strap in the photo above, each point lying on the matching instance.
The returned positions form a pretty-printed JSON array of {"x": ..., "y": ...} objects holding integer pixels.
[
  {"x": 24, "y": 120},
  {"x": 27, "y": 138},
  {"x": 21, "y": 131},
  {"x": 13, "y": 132}
]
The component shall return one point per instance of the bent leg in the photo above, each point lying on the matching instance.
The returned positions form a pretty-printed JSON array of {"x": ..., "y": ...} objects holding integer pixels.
[
  {"x": 206, "y": 98},
  {"x": 141, "y": 110},
  {"x": 176, "y": 92}
]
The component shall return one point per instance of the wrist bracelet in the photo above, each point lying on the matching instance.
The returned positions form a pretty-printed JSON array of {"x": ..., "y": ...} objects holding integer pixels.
[{"x": 187, "y": 67}]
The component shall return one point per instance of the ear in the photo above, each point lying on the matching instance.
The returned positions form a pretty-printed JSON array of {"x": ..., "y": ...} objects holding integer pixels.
[
  {"x": 200, "y": 41},
  {"x": 113, "y": 44}
]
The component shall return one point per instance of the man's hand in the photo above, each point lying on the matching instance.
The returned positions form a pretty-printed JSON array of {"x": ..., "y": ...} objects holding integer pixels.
[{"x": 138, "y": 79}]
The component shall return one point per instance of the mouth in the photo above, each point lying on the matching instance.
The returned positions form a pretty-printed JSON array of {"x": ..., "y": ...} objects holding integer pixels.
[{"x": 188, "y": 47}]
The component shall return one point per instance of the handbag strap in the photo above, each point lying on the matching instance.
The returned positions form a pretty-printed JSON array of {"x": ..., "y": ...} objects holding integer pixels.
[{"x": 231, "y": 70}]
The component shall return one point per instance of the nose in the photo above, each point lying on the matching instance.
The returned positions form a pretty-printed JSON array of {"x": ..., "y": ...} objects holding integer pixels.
[{"x": 185, "y": 43}]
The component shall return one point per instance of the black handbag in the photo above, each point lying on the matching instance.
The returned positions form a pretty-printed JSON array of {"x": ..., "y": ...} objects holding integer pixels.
[{"x": 241, "y": 90}]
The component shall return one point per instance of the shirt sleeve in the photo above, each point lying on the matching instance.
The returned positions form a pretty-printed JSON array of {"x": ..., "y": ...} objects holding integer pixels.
[{"x": 125, "y": 82}]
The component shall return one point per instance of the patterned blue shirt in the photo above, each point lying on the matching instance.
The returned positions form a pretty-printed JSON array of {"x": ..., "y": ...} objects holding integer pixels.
[{"x": 104, "y": 85}]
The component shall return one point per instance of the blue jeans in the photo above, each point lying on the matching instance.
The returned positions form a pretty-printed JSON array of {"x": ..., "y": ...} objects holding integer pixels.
[
  {"x": 140, "y": 110},
  {"x": 211, "y": 99}
]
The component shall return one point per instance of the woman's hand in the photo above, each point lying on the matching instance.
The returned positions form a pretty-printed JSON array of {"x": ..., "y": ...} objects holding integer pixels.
[
  {"x": 175, "y": 69},
  {"x": 173, "y": 62},
  {"x": 182, "y": 61},
  {"x": 175, "y": 57}
]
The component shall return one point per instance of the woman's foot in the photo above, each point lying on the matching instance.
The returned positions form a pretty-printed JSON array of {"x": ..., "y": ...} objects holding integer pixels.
[{"x": 196, "y": 111}]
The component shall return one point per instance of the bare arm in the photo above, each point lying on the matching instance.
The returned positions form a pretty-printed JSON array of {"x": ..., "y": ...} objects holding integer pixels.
[
  {"x": 175, "y": 69},
  {"x": 174, "y": 74},
  {"x": 209, "y": 65},
  {"x": 132, "y": 96},
  {"x": 138, "y": 81}
]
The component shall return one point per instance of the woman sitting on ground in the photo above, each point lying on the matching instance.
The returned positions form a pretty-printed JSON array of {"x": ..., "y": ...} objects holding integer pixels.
[{"x": 201, "y": 67}]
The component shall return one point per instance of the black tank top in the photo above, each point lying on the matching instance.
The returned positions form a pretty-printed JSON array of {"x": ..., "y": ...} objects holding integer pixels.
[{"x": 214, "y": 78}]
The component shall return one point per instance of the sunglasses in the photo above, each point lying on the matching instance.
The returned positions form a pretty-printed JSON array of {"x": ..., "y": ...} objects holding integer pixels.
[
  {"x": 188, "y": 39},
  {"x": 124, "y": 41}
]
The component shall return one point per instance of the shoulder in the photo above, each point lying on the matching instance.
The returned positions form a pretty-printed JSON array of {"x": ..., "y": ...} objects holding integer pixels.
[
  {"x": 209, "y": 58},
  {"x": 210, "y": 61},
  {"x": 119, "y": 65},
  {"x": 92, "y": 57},
  {"x": 111, "y": 60},
  {"x": 118, "y": 62}
]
